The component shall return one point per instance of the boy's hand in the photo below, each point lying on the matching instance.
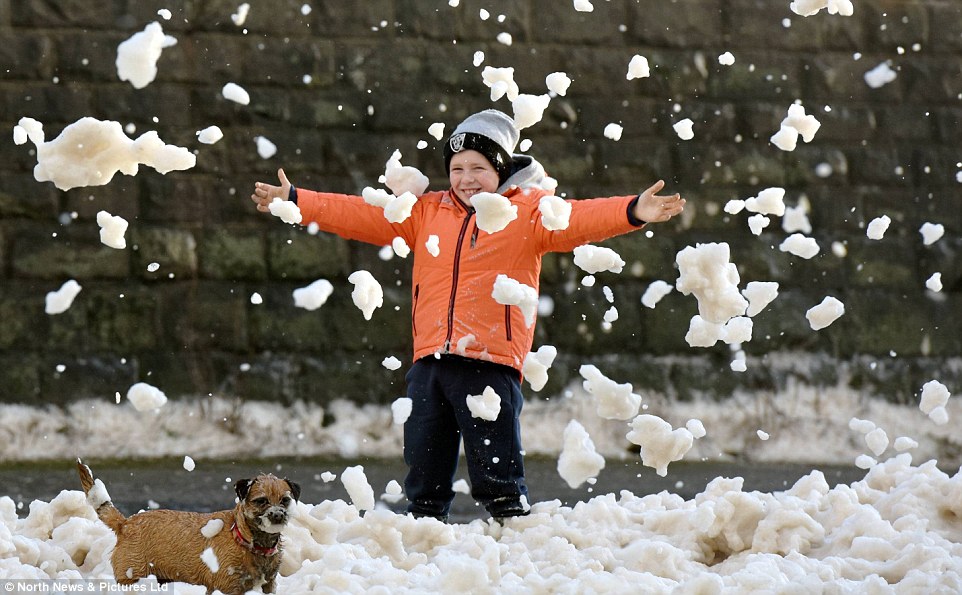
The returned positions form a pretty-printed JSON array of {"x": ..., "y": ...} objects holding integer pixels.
[
  {"x": 264, "y": 194},
  {"x": 655, "y": 208}
]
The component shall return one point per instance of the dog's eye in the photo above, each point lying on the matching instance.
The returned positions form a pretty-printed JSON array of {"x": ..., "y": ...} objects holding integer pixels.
[
  {"x": 259, "y": 501},
  {"x": 285, "y": 501}
]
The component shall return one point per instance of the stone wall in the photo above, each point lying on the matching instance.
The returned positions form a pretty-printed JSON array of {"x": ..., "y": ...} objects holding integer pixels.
[{"x": 380, "y": 72}]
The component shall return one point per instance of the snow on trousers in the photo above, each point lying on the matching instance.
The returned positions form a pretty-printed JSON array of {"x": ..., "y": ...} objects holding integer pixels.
[{"x": 438, "y": 388}]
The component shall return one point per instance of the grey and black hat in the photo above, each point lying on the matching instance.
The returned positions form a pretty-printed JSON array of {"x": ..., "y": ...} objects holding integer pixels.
[{"x": 491, "y": 133}]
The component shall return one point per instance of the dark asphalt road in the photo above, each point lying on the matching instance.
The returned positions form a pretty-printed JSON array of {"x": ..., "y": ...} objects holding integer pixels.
[{"x": 134, "y": 485}]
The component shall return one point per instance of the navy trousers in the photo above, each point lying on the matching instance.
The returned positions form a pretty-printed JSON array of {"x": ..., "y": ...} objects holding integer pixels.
[{"x": 440, "y": 419}]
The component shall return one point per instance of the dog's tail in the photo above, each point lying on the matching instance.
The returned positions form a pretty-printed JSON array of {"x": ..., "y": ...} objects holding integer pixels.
[{"x": 99, "y": 499}]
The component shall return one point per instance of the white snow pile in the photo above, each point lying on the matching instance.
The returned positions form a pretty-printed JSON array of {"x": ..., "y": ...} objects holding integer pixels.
[
  {"x": 807, "y": 8},
  {"x": 511, "y": 292},
  {"x": 112, "y": 230},
  {"x": 795, "y": 124},
  {"x": 59, "y": 301},
  {"x": 493, "y": 211},
  {"x": 90, "y": 152},
  {"x": 137, "y": 57},
  {"x": 367, "y": 293}
]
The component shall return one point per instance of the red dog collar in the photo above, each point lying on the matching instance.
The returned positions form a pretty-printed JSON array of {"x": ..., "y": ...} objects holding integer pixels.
[{"x": 263, "y": 551}]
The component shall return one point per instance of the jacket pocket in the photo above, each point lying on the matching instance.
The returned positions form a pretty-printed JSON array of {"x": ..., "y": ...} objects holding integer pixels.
[
  {"x": 507, "y": 323},
  {"x": 414, "y": 310}
]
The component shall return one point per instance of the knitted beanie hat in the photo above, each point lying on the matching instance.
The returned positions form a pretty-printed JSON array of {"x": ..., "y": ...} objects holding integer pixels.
[{"x": 491, "y": 133}]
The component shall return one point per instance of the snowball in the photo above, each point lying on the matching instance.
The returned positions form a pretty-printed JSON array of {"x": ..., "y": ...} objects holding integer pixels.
[
  {"x": 314, "y": 295},
  {"x": 286, "y": 210},
  {"x": 33, "y": 129},
  {"x": 579, "y": 461},
  {"x": 137, "y": 57},
  {"x": 655, "y": 291},
  {"x": 595, "y": 259},
  {"x": 377, "y": 197},
  {"x": 58, "y": 302},
  {"x": 240, "y": 17},
  {"x": 762, "y": 435},
  {"x": 404, "y": 178},
  {"x": 400, "y": 247},
  {"x": 758, "y": 223},
  {"x": 703, "y": 333},
  {"x": 529, "y": 109},
  {"x": 934, "y": 394},
  {"x": 613, "y": 400},
  {"x": 931, "y": 232},
  {"x": 799, "y": 245},
  {"x": 392, "y": 492},
  {"x": 432, "y": 245},
  {"x": 358, "y": 489},
  {"x": 391, "y": 363},
  {"x": 367, "y": 294},
  {"x": 770, "y": 201},
  {"x": 505, "y": 38},
  {"x": 613, "y": 131},
  {"x": 808, "y": 8},
  {"x": 934, "y": 283},
  {"x": 862, "y": 426},
  {"x": 189, "y": 464},
  {"x": 509, "y": 292},
  {"x": 806, "y": 125},
  {"x": 584, "y": 6},
  {"x": 877, "y": 441},
  {"x": 638, "y": 67},
  {"x": 684, "y": 129},
  {"x": 436, "y": 130},
  {"x": 486, "y": 406},
  {"x": 501, "y": 82},
  {"x": 210, "y": 135},
  {"x": 785, "y": 139},
  {"x": 555, "y": 212},
  {"x": 879, "y": 76},
  {"x": 212, "y": 528},
  {"x": 493, "y": 211},
  {"x": 796, "y": 220},
  {"x": 877, "y": 227},
  {"x": 558, "y": 83},
  {"x": 696, "y": 427},
  {"x": 265, "y": 148},
  {"x": 112, "y": 230},
  {"x": 401, "y": 410},
  {"x": 825, "y": 313},
  {"x": 726, "y": 59},
  {"x": 940, "y": 416},
  {"x": 660, "y": 445},
  {"x": 145, "y": 397},
  {"x": 236, "y": 93},
  {"x": 904, "y": 443},
  {"x": 759, "y": 294},
  {"x": 399, "y": 208},
  {"x": 536, "y": 364},
  {"x": 89, "y": 152},
  {"x": 706, "y": 272}
]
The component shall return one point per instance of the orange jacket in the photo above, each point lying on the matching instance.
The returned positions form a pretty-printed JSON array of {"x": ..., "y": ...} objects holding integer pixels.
[{"x": 452, "y": 307}]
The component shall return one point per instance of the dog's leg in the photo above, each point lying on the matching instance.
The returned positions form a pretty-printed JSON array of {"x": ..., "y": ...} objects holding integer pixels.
[{"x": 99, "y": 499}]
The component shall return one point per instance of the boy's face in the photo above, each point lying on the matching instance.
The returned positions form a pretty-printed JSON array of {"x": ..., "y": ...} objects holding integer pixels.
[{"x": 470, "y": 172}]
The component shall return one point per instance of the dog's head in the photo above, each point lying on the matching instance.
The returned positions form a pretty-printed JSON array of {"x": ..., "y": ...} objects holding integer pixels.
[{"x": 265, "y": 501}]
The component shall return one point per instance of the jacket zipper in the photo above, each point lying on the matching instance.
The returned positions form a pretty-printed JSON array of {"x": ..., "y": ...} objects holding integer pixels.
[
  {"x": 414, "y": 310},
  {"x": 455, "y": 273},
  {"x": 507, "y": 322}
]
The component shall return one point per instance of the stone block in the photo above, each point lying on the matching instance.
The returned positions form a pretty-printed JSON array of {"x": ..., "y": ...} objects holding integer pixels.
[
  {"x": 889, "y": 262},
  {"x": 843, "y": 81},
  {"x": 28, "y": 56},
  {"x": 323, "y": 380},
  {"x": 57, "y": 14},
  {"x": 892, "y": 24},
  {"x": 22, "y": 198},
  {"x": 22, "y": 312},
  {"x": 759, "y": 76},
  {"x": 295, "y": 255},
  {"x": 116, "y": 319},
  {"x": 75, "y": 252},
  {"x": 945, "y": 20},
  {"x": 229, "y": 253},
  {"x": 205, "y": 316},
  {"x": 70, "y": 377},
  {"x": 86, "y": 56},
  {"x": 879, "y": 323},
  {"x": 175, "y": 250},
  {"x": 20, "y": 378},
  {"x": 680, "y": 23}
]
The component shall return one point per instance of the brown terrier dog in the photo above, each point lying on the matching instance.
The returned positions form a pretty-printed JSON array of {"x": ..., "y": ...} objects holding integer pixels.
[{"x": 233, "y": 551}]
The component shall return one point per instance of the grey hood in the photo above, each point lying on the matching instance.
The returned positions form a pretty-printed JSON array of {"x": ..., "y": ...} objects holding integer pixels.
[{"x": 526, "y": 172}]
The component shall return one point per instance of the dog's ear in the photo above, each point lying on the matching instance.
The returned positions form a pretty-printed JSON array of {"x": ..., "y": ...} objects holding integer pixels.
[
  {"x": 242, "y": 487},
  {"x": 295, "y": 489}
]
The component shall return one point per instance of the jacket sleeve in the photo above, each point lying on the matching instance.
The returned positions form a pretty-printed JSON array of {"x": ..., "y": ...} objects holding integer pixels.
[
  {"x": 592, "y": 220},
  {"x": 352, "y": 218}
]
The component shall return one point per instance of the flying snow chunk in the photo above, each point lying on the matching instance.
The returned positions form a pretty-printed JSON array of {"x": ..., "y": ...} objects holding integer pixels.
[
  {"x": 401, "y": 410},
  {"x": 579, "y": 460},
  {"x": 770, "y": 201},
  {"x": 210, "y": 135},
  {"x": 112, "y": 230},
  {"x": 795, "y": 124},
  {"x": 240, "y": 17},
  {"x": 189, "y": 464},
  {"x": 758, "y": 223},
  {"x": 660, "y": 445},
  {"x": 236, "y": 93},
  {"x": 726, "y": 59},
  {"x": 436, "y": 130},
  {"x": 879, "y": 76},
  {"x": 613, "y": 400},
  {"x": 145, "y": 397},
  {"x": 807, "y": 8},
  {"x": 707, "y": 272},
  {"x": 501, "y": 82},
  {"x": 400, "y": 247},
  {"x": 536, "y": 364},
  {"x": 510, "y": 292},
  {"x": 684, "y": 129},
  {"x": 314, "y": 295},
  {"x": 485, "y": 406},
  {"x": 931, "y": 232},
  {"x": 825, "y": 313},
  {"x": 529, "y": 109},
  {"x": 934, "y": 395},
  {"x": 638, "y": 67},
  {"x": 759, "y": 294},
  {"x": 58, "y": 302},
  {"x": 800, "y": 246},
  {"x": 404, "y": 178},
  {"x": 432, "y": 245},
  {"x": 877, "y": 227},
  {"x": 494, "y": 211},
  {"x": 286, "y": 210},
  {"x": 209, "y": 558},
  {"x": 654, "y": 293},
  {"x": 399, "y": 208},
  {"x": 391, "y": 363},
  {"x": 367, "y": 294},
  {"x": 595, "y": 259},
  {"x": 557, "y": 83},
  {"x": 555, "y": 212},
  {"x": 358, "y": 488},
  {"x": 90, "y": 152},
  {"x": 934, "y": 283},
  {"x": 265, "y": 148},
  {"x": 137, "y": 57},
  {"x": 584, "y": 6},
  {"x": 613, "y": 131}
]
